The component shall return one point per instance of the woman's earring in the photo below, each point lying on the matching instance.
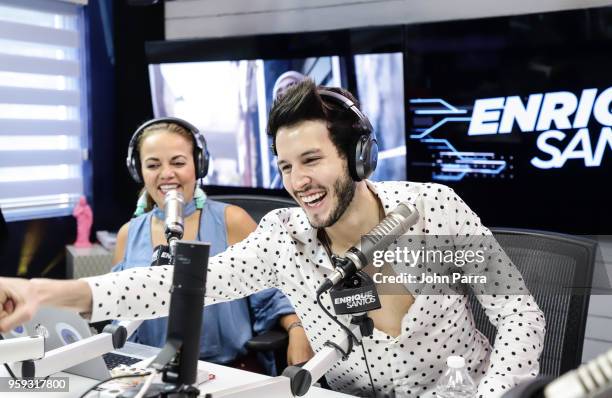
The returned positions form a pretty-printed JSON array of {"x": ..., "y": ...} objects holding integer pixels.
[
  {"x": 141, "y": 205},
  {"x": 200, "y": 198}
]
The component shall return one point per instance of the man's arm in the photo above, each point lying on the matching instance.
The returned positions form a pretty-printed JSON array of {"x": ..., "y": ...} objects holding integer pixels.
[
  {"x": 144, "y": 293},
  {"x": 299, "y": 350},
  {"x": 243, "y": 269},
  {"x": 21, "y": 298},
  {"x": 271, "y": 307}
]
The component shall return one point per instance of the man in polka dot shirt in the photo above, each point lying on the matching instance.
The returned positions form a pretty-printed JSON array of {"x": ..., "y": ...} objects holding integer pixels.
[{"x": 414, "y": 333}]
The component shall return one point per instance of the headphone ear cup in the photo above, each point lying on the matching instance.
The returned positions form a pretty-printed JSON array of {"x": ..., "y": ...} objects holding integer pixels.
[
  {"x": 371, "y": 157},
  {"x": 353, "y": 161},
  {"x": 366, "y": 156},
  {"x": 132, "y": 164},
  {"x": 202, "y": 157},
  {"x": 202, "y": 165}
]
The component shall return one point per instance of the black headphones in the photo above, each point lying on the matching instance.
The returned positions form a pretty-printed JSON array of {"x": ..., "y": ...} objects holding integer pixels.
[
  {"x": 201, "y": 157},
  {"x": 365, "y": 147}
]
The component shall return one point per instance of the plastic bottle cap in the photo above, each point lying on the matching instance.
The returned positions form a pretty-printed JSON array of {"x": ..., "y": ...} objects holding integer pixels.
[{"x": 455, "y": 362}]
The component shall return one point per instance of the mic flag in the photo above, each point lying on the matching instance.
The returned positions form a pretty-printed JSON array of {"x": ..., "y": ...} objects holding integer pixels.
[
  {"x": 161, "y": 256},
  {"x": 356, "y": 295}
]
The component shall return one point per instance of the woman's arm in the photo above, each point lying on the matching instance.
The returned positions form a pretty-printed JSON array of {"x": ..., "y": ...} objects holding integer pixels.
[
  {"x": 119, "y": 252},
  {"x": 239, "y": 224}
]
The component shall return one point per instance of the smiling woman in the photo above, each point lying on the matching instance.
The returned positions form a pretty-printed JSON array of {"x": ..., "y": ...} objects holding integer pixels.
[
  {"x": 166, "y": 152},
  {"x": 170, "y": 154}
]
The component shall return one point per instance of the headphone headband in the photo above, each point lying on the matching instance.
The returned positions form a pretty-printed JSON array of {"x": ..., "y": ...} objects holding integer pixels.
[
  {"x": 201, "y": 156},
  {"x": 363, "y": 153},
  {"x": 350, "y": 105}
]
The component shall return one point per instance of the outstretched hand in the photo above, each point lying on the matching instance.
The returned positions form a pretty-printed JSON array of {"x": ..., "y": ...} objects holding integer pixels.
[{"x": 18, "y": 302}]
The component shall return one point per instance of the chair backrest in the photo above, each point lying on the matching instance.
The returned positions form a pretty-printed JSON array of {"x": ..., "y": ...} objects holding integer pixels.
[
  {"x": 275, "y": 340},
  {"x": 256, "y": 205},
  {"x": 544, "y": 260}
]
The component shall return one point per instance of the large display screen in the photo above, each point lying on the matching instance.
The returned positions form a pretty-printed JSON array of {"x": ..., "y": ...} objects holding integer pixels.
[
  {"x": 229, "y": 102},
  {"x": 514, "y": 113}
]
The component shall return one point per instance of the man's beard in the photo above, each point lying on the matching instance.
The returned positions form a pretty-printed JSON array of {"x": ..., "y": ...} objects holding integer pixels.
[{"x": 344, "y": 191}]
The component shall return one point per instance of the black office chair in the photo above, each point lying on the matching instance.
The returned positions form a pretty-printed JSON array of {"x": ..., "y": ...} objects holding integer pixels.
[
  {"x": 275, "y": 340},
  {"x": 256, "y": 205},
  {"x": 545, "y": 260}
]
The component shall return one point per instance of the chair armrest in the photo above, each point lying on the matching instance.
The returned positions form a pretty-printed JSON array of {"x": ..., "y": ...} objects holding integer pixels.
[{"x": 271, "y": 340}]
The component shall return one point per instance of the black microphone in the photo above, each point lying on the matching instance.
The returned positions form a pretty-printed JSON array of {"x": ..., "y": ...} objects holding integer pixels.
[
  {"x": 161, "y": 256},
  {"x": 185, "y": 315},
  {"x": 173, "y": 209},
  {"x": 396, "y": 223}
]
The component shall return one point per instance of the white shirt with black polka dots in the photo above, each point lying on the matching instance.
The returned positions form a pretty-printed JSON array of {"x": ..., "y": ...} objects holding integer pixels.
[{"x": 284, "y": 252}]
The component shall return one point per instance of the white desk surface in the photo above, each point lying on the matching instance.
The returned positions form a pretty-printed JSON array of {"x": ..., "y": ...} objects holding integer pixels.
[{"x": 225, "y": 377}]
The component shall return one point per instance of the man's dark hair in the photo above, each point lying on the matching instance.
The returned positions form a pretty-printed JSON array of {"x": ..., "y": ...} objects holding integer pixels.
[{"x": 302, "y": 102}]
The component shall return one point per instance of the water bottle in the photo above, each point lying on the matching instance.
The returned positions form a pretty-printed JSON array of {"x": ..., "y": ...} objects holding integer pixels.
[{"x": 456, "y": 382}]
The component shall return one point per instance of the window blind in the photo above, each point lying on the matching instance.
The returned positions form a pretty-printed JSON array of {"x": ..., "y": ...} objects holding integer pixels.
[{"x": 43, "y": 139}]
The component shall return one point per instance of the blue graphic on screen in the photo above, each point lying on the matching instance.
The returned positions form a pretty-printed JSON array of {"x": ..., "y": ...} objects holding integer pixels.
[{"x": 433, "y": 120}]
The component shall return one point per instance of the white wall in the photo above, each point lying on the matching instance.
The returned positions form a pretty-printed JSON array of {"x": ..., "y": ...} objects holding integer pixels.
[{"x": 219, "y": 18}]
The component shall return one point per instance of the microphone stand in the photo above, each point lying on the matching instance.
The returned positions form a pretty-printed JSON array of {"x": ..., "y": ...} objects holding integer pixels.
[
  {"x": 177, "y": 361},
  {"x": 22, "y": 349},
  {"x": 356, "y": 295},
  {"x": 294, "y": 381},
  {"x": 300, "y": 379},
  {"x": 59, "y": 359}
]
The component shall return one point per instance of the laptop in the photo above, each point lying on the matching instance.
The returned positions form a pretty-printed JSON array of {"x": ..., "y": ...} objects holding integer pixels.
[{"x": 65, "y": 327}]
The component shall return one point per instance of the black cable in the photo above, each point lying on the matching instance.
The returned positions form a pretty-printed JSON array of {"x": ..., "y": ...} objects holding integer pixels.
[
  {"x": 365, "y": 358},
  {"x": 350, "y": 344},
  {"x": 351, "y": 335},
  {"x": 110, "y": 379},
  {"x": 324, "y": 239},
  {"x": 10, "y": 371}
]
